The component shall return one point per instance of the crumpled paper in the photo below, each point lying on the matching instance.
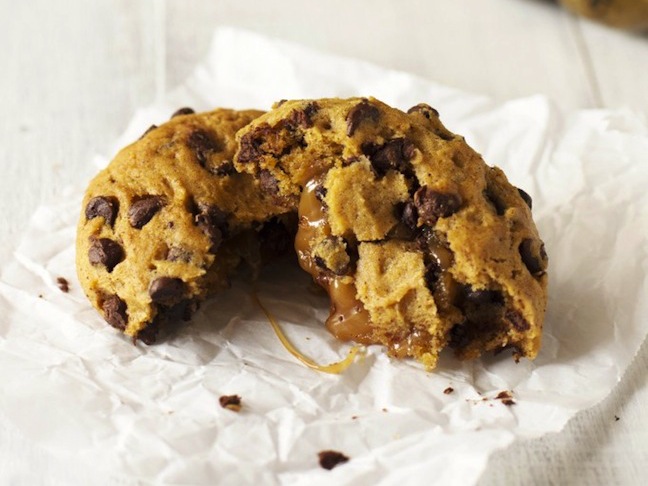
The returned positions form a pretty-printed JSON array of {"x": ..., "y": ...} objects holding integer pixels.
[{"x": 79, "y": 404}]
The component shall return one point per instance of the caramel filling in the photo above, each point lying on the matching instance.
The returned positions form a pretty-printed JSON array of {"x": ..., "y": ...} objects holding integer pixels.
[
  {"x": 333, "y": 368},
  {"x": 348, "y": 320},
  {"x": 446, "y": 289}
]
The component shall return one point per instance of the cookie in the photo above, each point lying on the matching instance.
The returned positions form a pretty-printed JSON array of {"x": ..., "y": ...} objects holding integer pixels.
[
  {"x": 169, "y": 220},
  {"x": 419, "y": 244}
]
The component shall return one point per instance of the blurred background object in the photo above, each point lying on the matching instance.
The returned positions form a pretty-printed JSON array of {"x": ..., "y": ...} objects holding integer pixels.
[{"x": 626, "y": 14}]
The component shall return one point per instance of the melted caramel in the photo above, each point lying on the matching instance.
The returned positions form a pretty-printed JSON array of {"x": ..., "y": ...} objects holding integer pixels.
[
  {"x": 349, "y": 320},
  {"x": 447, "y": 288},
  {"x": 333, "y": 368}
]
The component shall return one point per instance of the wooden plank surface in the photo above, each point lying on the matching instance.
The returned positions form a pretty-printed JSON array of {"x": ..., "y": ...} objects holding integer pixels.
[{"x": 74, "y": 71}]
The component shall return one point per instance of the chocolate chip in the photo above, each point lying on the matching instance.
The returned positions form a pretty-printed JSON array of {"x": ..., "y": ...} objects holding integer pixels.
[
  {"x": 409, "y": 215},
  {"x": 166, "y": 290},
  {"x": 204, "y": 145},
  {"x": 213, "y": 222},
  {"x": 114, "y": 310},
  {"x": 526, "y": 197},
  {"x": 392, "y": 155},
  {"x": 516, "y": 319},
  {"x": 104, "y": 251},
  {"x": 231, "y": 402},
  {"x": 426, "y": 110},
  {"x": 432, "y": 205},
  {"x": 329, "y": 459},
  {"x": 63, "y": 284},
  {"x": 483, "y": 297},
  {"x": 265, "y": 139},
  {"x": 533, "y": 256},
  {"x": 149, "y": 334},
  {"x": 148, "y": 130},
  {"x": 359, "y": 113},
  {"x": 183, "y": 111},
  {"x": 302, "y": 117},
  {"x": 104, "y": 206},
  {"x": 268, "y": 182},
  {"x": 143, "y": 209}
]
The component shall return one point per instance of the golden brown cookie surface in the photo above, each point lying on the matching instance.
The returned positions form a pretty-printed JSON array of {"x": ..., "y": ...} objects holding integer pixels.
[
  {"x": 419, "y": 243},
  {"x": 167, "y": 221}
]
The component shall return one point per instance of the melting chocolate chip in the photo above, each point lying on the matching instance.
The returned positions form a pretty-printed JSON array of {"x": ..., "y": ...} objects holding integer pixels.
[
  {"x": 526, "y": 197},
  {"x": 432, "y": 205},
  {"x": 392, "y": 155},
  {"x": 265, "y": 139},
  {"x": 203, "y": 144},
  {"x": 143, "y": 209},
  {"x": 183, "y": 111},
  {"x": 166, "y": 290},
  {"x": 104, "y": 206},
  {"x": 483, "y": 297},
  {"x": 148, "y": 130},
  {"x": 114, "y": 310},
  {"x": 268, "y": 182},
  {"x": 63, "y": 284},
  {"x": 302, "y": 117},
  {"x": 104, "y": 251},
  {"x": 213, "y": 222},
  {"x": 409, "y": 215},
  {"x": 359, "y": 113},
  {"x": 230, "y": 402},
  {"x": 329, "y": 459},
  {"x": 516, "y": 319},
  {"x": 533, "y": 256},
  {"x": 426, "y": 110}
]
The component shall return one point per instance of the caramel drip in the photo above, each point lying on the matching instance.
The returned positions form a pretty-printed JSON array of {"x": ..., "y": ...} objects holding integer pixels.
[
  {"x": 349, "y": 320},
  {"x": 447, "y": 287},
  {"x": 333, "y": 368}
]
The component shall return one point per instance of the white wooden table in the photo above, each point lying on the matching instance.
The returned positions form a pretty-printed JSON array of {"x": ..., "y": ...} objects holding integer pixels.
[{"x": 73, "y": 72}]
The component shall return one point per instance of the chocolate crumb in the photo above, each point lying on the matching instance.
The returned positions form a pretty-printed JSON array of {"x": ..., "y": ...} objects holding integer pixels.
[
  {"x": 231, "y": 402},
  {"x": 448, "y": 390},
  {"x": 506, "y": 397},
  {"x": 384, "y": 410},
  {"x": 329, "y": 459},
  {"x": 40, "y": 296},
  {"x": 616, "y": 418},
  {"x": 354, "y": 417},
  {"x": 63, "y": 284}
]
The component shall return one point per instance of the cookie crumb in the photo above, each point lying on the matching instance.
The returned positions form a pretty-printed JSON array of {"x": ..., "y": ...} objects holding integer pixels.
[
  {"x": 231, "y": 402},
  {"x": 506, "y": 397},
  {"x": 62, "y": 284},
  {"x": 329, "y": 459},
  {"x": 448, "y": 390},
  {"x": 385, "y": 410},
  {"x": 40, "y": 296}
]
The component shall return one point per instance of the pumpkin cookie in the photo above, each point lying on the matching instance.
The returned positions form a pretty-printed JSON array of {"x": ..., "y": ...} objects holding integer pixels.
[
  {"x": 169, "y": 219},
  {"x": 418, "y": 242}
]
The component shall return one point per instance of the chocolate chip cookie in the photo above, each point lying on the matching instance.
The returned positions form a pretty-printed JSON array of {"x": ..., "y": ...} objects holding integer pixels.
[
  {"x": 169, "y": 219},
  {"x": 419, "y": 244}
]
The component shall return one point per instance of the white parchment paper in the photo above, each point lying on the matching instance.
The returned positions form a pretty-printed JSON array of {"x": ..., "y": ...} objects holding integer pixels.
[{"x": 79, "y": 404}]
